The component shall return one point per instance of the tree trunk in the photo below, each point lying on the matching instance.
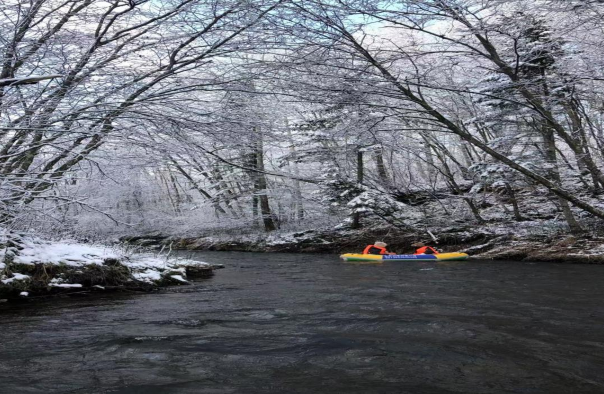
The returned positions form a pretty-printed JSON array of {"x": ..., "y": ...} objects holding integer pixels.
[
  {"x": 446, "y": 171},
  {"x": 294, "y": 163},
  {"x": 432, "y": 169},
  {"x": 583, "y": 154},
  {"x": 261, "y": 186},
  {"x": 253, "y": 162},
  {"x": 512, "y": 194},
  {"x": 356, "y": 216},
  {"x": 549, "y": 143},
  {"x": 378, "y": 156}
]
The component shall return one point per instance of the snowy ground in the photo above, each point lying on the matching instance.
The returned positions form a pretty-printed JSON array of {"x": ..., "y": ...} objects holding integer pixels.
[{"x": 16, "y": 262}]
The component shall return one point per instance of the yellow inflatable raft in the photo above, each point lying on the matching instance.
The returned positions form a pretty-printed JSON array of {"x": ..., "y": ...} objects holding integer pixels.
[{"x": 404, "y": 257}]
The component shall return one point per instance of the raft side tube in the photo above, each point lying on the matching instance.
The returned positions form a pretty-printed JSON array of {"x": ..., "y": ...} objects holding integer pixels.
[{"x": 405, "y": 257}]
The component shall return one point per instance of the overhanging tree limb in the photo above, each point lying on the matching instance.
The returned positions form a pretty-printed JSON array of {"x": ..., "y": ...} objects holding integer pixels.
[{"x": 442, "y": 119}]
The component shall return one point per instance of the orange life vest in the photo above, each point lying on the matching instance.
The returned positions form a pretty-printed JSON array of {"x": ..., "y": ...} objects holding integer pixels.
[
  {"x": 425, "y": 249},
  {"x": 368, "y": 250}
]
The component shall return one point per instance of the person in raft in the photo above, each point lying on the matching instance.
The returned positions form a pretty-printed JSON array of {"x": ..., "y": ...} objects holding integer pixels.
[
  {"x": 423, "y": 249},
  {"x": 377, "y": 248}
]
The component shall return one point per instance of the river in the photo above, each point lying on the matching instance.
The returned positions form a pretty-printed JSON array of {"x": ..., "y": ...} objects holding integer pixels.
[{"x": 303, "y": 323}]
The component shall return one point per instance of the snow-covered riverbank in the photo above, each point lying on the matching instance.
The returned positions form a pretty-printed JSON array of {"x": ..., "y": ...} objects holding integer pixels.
[
  {"x": 529, "y": 241},
  {"x": 33, "y": 266}
]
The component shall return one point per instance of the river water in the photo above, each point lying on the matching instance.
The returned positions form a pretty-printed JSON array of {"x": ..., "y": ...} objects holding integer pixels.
[{"x": 293, "y": 323}]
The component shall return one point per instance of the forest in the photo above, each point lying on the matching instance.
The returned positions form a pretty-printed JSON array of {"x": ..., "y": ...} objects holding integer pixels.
[
  {"x": 187, "y": 118},
  {"x": 317, "y": 150}
]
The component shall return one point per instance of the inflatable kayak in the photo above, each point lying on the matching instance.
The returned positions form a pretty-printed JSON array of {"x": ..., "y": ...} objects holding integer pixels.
[{"x": 404, "y": 257}]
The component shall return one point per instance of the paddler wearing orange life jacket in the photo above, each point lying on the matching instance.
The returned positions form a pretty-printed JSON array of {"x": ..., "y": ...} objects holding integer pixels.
[
  {"x": 377, "y": 248},
  {"x": 423, "y": 249}
]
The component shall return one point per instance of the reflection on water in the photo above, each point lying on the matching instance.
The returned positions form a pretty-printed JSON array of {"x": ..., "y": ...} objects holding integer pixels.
[{"x": 289, "y": 323}]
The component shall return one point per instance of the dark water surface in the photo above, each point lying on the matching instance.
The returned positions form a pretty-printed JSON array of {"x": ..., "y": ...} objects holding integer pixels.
[{"x": 287, "y": 323}]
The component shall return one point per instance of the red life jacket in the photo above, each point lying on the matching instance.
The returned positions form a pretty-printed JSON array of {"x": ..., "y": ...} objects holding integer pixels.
[
  {"x": 425, "y": 249},
  {"x": 372, "y": 249}
]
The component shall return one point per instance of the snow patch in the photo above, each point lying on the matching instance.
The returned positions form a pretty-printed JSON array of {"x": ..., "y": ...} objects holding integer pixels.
[
  {"x": 179, "y": 278},
  {"x": 65, "y": 285},
  {"x": 144, "y": 267},
  {"x": 16, "y": 276},
  {"x": 68, "y": 253},
  {"x": 148, "y": 276}
]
